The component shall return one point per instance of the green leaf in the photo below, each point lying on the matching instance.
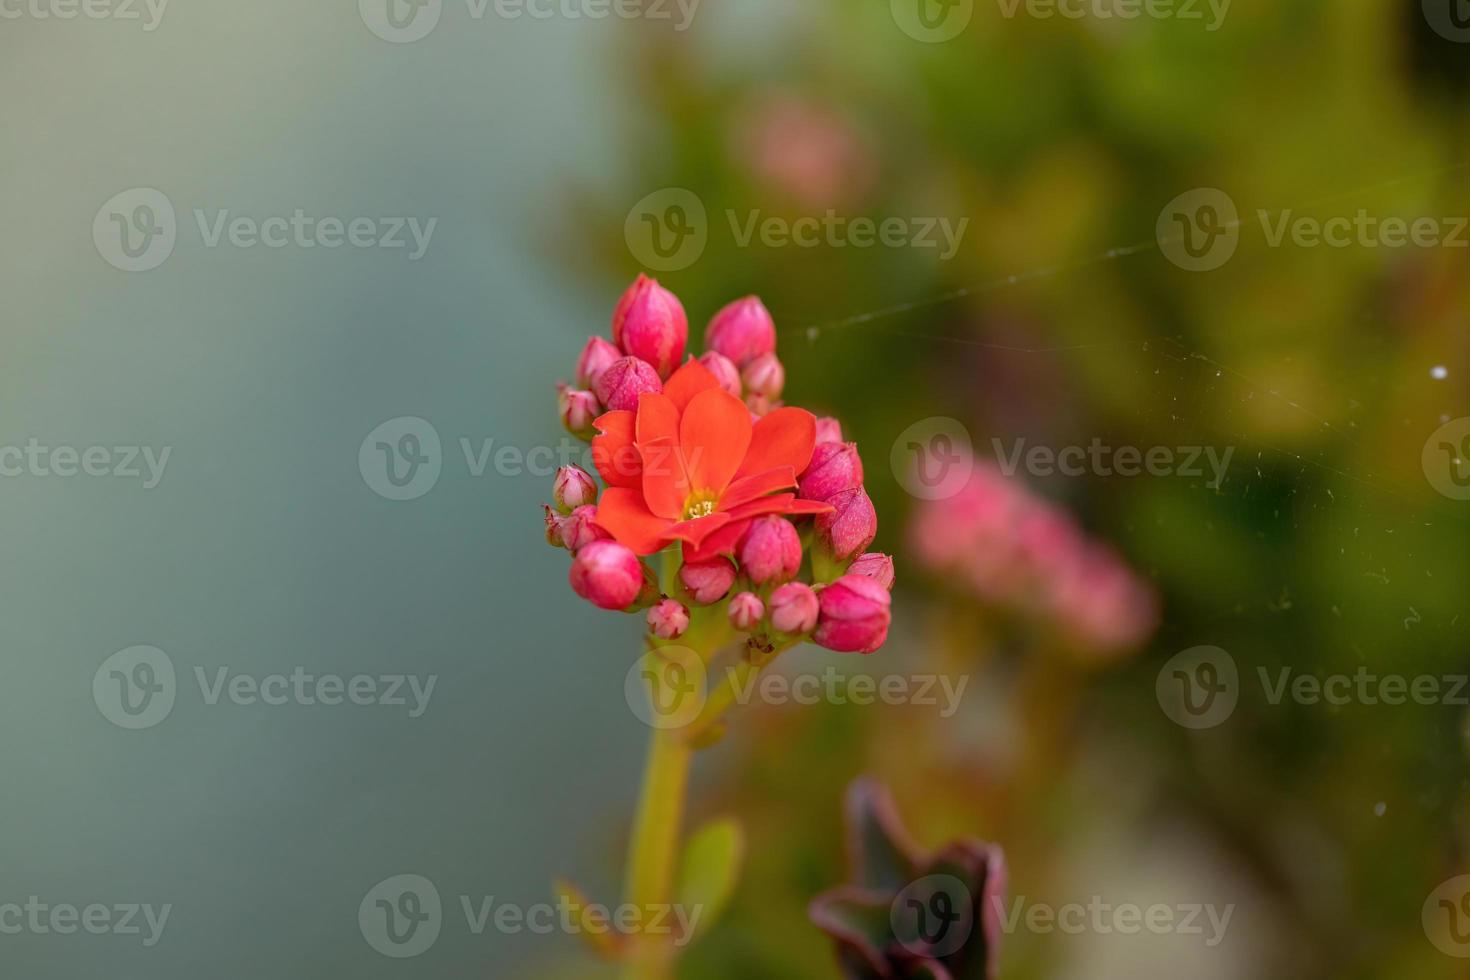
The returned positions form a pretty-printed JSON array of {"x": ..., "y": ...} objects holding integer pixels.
[{"x": 708, "y": 873}]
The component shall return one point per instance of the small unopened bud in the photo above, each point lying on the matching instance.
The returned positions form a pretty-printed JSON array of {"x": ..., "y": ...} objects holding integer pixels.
[
  {"x": 724, "y": 370},
  {"x": 579, "y": 409},
  {"x": 770, "y": 551},
  {"x": 851, "y": 526},
  {"x": 876, "y": 566},
  {"x": 794, "y": 608},
  {"x": 596, "y": 357},
  {"x": 742, "y": 331},
  {"x": 620, "y": 384},
  {"x": 579, "y": 529},
  {"x": 573, "y": 488},
  {"x": 764, "y": 377},
  {"x": 854, "y": 616},
  {"x": 746, "y": 611},
  {"x": 607, "y": 574},
  {"x": 649, "y": 323},
  {"x": 828, "y": 430},
  {"x": 708, "y": 581},
  {"x": 668, "y": 620},
  {"x": 553, "y": 528},
  {"x": 835, "y": 467}
]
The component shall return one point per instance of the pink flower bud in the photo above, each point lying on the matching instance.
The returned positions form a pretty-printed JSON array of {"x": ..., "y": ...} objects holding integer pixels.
[
  {"x": 742, "y": 331},
  {"x": 579, "y": 529},
  {"x": 835, "y": 467},
  {"x": 764, "y": 377},
  {"x": 553, "y": 528},
  {"x": 794, "y": 608},
  {"x": 770, "y": 551},
  {"x": 708, "y": 581},
  {"x": 746, "y": 611},
  {"x": 759, "y": 405},
  {"x": 607, "y": 575},
  {"x": 579, "y": 409},
  {"x": 668, "y": 620},
  {"x": 724, "y": 370},
  {"x": 622, "y": 381},
  {"x": 596, "y": 357},
  {"x": 851, "y": 526},
  {"x": 649, "y": 323},
  {"x": 854, "y": 615},
  {"x": 876, "y": 566},
  {"x": 828, "y": 430},
  {"x": 573, "y": 488}
]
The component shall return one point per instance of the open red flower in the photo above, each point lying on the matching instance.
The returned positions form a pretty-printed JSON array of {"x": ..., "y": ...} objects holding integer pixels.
[{"x": 690, "y": 466}]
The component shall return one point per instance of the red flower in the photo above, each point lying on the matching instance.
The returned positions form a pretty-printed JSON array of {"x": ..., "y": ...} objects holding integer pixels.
[{"x": 689, "y": 465}]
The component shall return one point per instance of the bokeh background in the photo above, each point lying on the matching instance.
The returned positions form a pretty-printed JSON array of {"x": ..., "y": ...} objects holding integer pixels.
[{"x": 1059, "y": 319}]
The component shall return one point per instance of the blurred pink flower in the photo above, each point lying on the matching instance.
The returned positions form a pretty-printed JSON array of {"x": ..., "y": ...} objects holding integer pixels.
[{"x": 808, "y": 152}]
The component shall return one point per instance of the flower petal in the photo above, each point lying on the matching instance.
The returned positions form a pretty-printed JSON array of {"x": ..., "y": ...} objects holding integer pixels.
[
  {"x": 688, "y": 381},
  {"x": 622, "y": 513},
  {"x": 695, "y": 532},
  {"x": 785, "y": 437},
  {"x": 781, "y": 503},
  {"x": 722, "y": 543},
  {"x": 714, "y": 435},
  {"x": 613, "y": 452},
  {"x": 665, "y": 485},
  {"x": 748, "y": 488}
]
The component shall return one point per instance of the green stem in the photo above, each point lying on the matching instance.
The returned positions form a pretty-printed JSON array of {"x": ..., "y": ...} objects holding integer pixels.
[{"x": 653, "y": 852}]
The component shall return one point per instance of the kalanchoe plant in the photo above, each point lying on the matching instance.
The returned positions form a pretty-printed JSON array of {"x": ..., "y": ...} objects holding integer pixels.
[
  {"x": 907, "y": 914},
  {"x": 755, "y": 511}
]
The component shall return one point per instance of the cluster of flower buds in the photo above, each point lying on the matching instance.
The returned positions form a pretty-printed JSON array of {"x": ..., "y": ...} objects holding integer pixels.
[
  {"x": 760, "y": 505},
  {"x": 1013, "y": 550}
]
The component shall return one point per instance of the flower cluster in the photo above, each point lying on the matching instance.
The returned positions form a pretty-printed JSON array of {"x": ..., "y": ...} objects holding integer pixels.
[
  {"x": 763, "y": 501},
  {"x": 1010, "y": 548}
]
